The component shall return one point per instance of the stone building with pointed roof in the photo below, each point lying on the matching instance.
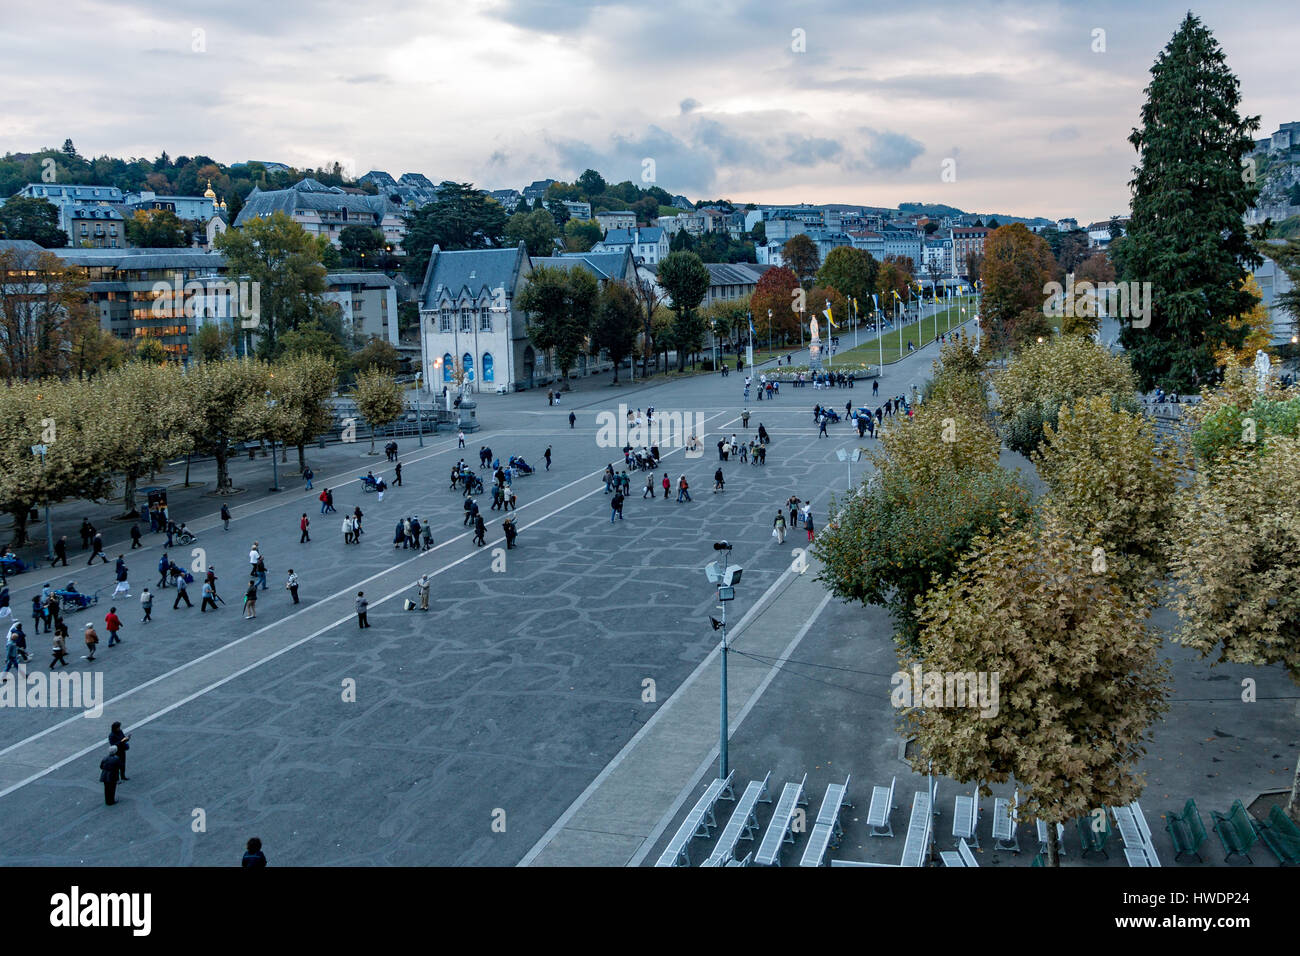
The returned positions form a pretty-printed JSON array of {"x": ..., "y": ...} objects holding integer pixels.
[{"x": 327, "y": 210}]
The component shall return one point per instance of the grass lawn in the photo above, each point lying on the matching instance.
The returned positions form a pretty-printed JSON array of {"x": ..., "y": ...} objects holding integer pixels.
[{"x": 868, "y": 352}]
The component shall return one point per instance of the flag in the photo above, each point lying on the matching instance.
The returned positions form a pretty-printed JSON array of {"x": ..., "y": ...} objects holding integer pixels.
[
  {"x": 829, "y": 318},
  {"x": 751, "y": 327}
]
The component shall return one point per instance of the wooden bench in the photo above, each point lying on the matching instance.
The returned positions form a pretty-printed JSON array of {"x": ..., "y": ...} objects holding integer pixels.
[
  {"x": 917, "y": 843},
  {"x": 1091, "y": 837},
  {"x": 1004, "y": 823},
  {"x": 1281, "y": 836},
  {"x": 827, "y": 830},
  {"x": 965, "y": 818},
  {"x": 743, "y": 824},
  {"x": 1237, "y": 831},
  {"x": 779, "y": 829},
  {"x": 1186, "y": 830},
  {"x": 962, "y": 856},
  {"x": 699, "y": 822},
  {"x": 882, "y": 805}
]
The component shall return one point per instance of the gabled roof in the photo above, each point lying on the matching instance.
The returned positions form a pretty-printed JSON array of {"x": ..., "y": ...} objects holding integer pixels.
[
  {"x": 618, "y": 237},
  {"x": 310, "y": 194},
  {"x": 731, "y": 273},
  {"x": 604, "y": 265},
  {"x": 473, "y": 272}
]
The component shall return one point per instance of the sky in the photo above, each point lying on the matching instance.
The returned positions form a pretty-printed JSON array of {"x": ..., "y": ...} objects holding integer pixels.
[{"x": 1020, "y": 108}]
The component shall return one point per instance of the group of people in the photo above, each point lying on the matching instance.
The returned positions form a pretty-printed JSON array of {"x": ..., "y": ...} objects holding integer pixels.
[{"x": 409, "y": 534}]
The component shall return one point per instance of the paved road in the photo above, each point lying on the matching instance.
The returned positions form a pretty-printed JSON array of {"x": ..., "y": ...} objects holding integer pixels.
[{"x": 500, "y": 704}]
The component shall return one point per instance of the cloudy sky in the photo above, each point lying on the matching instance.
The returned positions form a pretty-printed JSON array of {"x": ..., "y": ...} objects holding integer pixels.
[{"x": 1027, "y": 103}]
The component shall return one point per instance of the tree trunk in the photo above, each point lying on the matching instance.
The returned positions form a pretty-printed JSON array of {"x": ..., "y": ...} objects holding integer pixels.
[
  {"x": 1293, "y": 806},
  {"x": 219, "y": 453},
  {"x": 302, "y": 457},
  {"x": 20, "y": 526},
  {"x": 1053, "y": 846},
  {"x": 616, "y": 361},
  {"x": 187, "y": 469},
  {"x": 284, "y": 453},
  {"x": 128, "y": 495},
  {"x": 372, "y": 439}
]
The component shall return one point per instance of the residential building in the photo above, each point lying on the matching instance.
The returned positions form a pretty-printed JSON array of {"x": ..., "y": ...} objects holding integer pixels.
[
  {"x": 967, "y": 241},
  {"x": 769, "y": 254},
  {"x": 826, "y": 240},
  {"x": 936, "y": 258},
  {"x": 73, "y": 194},
  {"x": 537, "y": 189},
  {"x": 194, "y": 208},
  {"x": 671, "y": 225},
  {"x": 327, "y": 210},
  {"x": 729, "y": 281},
  {"x": 715, "y": 218},
  {"x": 903, "y": 241},
  {"x": 681, "y": 202},
  {"x": 368, "y": 301},
  {"x": 578, "y": 210},
  {"x": 1099, "y": 233},
  {"x": 1274, "y": 282},
  {"x": 622, "y": 219},
  {"x": 99, "y": 226},
  {"x": 650, "y": 245},
  {"x": 781, "y": 228},
  {"x": 413, "y": 190},
  {"x": 1067, "y": 225},
  {"x": 508, "y": 198},
  {"x": 605, "y": 266},
  {"x": 468, "y": 315},
  {"x": 871, "y": 242}
]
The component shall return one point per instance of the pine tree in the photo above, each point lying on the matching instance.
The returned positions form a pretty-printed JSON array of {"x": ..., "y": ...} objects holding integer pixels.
[{"x": 1186, "y": 236}]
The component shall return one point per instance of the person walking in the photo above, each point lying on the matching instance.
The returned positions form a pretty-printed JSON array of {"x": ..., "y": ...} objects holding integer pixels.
[
  {"x": 250, "y": 600},
  {"x": 357, "y": 515},
  {"x": 683, "y": 490},
  {"x": 260, "y": 572},
  {"x": 97, "y": 549},
  {"x": 511, "y": 532},
  {"x": 291, "y": 585},
  {"x": 92, "y": 641},
  {"x": 423, "y": 586},
  {"x": 253, "y": 855},
  {"x": 744, "y": 418},
  {"x": 480, "y": 531},
  {"x": 303, "y": 524},
  {"x": 510, "y": 501},
  {"x": 649, "y": 486},
  {"x": 109, "y": 771},
  {"x": 547, "y": 455},
  {"x": 329, "y": 501},
  {"x": 209, "y": 597},
  {"x": 135, "y": 536},
  {"x": 347, "y": 529},
  {"x": 718, "y": 483},
  {"x": 38, "y": 614},
  {"x": 572, "y": 418},
  {"x": 778, "y": 527},
  {"x": 667, "y": 485},
  {"x": 362, "y": 606},
  {"x": 164, "y": 565},
  {"x": 808, "y": 521},
  {"x": 225, "y": 518},
  {"x": 146, "y": 605},
  {"x": 821, "y": 425},
  {"x": 60, "y": 645},
  {"x": 616, "y": 507},
  {"x": 307, "y": 476},
  {"x": 87, "y": 532},
  {"x": 60, "y": 551},
  {"x": 123, "y": 584},
  {"x": 875, "y": 388},
  {"x": 460, "y": 439},
  {"x": 792, "y": 503},
  {"x": 113, "y": 624},
  {"x": 323, "y": 498},
  {"x": 120, "y": 740},
  {"x": 397, "y": 474},
  {"x": 11, "y": 652},
  {"x": 182, "y": 594}
]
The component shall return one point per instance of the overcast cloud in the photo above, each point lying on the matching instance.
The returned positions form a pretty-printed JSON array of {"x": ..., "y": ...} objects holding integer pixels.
[{"x": 832, "y": 101}]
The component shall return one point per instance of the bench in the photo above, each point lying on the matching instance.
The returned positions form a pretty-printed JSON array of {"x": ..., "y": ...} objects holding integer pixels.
[
  {"x": 1092, "y": 838},
  {"x": 1186, "y": 830},
  {"x": 1004, "y": 823},
  {"x": 858, "y": 863},
  {"x": 960, "y": 857},
  {"x": 1237, "y": 831},
  {"x": 744, "y": 862},
  {"x": 1060, "y": 839},
  {"x": 699, "y": 822},
  {"x": 1136, "y": 856},
  {"x": 779, "y": 829},
  {"x": 882, "y": 805},
  {"x": 1135, "y": 833},
  {"x": 827, "y": 829},
  {"x": 965, "y": 818},
  {"x": 918, "y": 831},
  {"x": 1281, "y": 836},
  {"x": 743, "y": 824}
]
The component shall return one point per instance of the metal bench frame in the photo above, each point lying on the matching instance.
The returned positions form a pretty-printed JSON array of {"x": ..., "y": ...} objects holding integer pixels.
[
  {"x": 779, "y": 830},
  {"x": 699, "y": 822},
  {"x": 743, "y": 824}
]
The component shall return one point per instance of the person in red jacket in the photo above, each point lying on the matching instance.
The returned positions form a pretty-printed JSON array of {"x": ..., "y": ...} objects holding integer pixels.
[
  {"x": 302, "y": 524},
  {"x": 113, "y": 623}
]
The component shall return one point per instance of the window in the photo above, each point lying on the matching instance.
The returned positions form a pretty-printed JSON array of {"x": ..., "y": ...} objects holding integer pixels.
[
  {"x": 467, "y": 361},
  {"x": 444, "y": 320},
  {"x": 485, "y": 320},
  {"x": 466, "y": 319},
  {"x": 488, "y": 367},
  {"x": 448, "y": 366}
]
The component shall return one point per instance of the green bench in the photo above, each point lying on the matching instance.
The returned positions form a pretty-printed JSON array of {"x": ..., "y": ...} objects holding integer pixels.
[
  {"x": 1093, "y": 840},
  {"x": 1237, "y": 831},
  {"x": 1282, "y": 837},
  {"x": 1187, "y": 830}
]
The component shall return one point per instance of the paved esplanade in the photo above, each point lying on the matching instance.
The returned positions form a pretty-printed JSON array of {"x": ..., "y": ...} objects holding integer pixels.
[{"x": 502, "y": 704}]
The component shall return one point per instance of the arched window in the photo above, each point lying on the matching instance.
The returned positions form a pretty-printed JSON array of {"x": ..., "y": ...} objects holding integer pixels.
[
  {"x": 448, "y": 366},
  {"x": 487, "y": 367},
  {"x": 468, "y": 360}
]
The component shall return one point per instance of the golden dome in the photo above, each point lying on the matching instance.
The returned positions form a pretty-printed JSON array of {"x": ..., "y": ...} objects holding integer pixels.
[{"x": 208, "y": 193}]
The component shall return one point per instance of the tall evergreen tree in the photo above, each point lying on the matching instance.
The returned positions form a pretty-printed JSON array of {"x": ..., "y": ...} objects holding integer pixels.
[{"x": 1186, "y": 235}]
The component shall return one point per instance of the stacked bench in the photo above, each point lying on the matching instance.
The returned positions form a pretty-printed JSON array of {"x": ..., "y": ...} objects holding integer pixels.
[
  {"x": 827, "y": 828},
  {"x": 917, "y": 844},
  {"x": 780, "y": 829},
  {"x": 698, "y": 823},
  {"x": 1135, "y": 833},
  {"x": 743, "y": 825},
  {"x": 1004, "y": 823}
]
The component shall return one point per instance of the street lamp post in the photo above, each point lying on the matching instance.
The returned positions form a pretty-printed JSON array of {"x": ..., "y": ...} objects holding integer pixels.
[
  {"x": 725, "y": 576},
  {"x": 39, "y": 451},
  {"x": 275, "y": 468},
  {"x": 849, "y": 456}
]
